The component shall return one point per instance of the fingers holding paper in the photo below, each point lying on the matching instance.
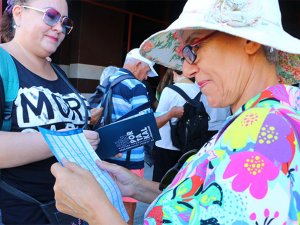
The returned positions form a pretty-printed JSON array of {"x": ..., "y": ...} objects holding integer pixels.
[
  {"x": 77, "y": 192},
  {"x": 126, "y": 180},
  {"x": 130, "y": 184},
  {"x": 92, "y": 137}
]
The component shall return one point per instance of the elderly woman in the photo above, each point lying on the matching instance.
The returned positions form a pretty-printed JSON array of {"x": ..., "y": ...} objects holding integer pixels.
[{"x": 249, "y": 172}]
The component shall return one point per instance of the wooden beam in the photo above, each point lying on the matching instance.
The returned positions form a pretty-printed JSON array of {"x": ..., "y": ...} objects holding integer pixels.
[
  {"x": 103, "y": 5},
  {"x": 0, "y": 16}
]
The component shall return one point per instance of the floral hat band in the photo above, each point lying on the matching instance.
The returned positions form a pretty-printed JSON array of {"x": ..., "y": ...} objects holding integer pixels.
[
  {"x": 288, "y": 67},
  {"x": 256, "y": 20}
]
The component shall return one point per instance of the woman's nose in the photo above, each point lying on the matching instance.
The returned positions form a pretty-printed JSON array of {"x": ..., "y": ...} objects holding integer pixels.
[
  {"x": 58, "y": 27},
  {"x": 189, "y": 70}
]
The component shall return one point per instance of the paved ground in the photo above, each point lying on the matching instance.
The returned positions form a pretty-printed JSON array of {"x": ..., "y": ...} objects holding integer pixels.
[{"x": 142, "y": 207}]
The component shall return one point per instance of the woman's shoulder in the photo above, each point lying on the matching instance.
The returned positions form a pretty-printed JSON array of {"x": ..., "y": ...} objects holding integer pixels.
[
  {"x": 6, "y": 47},
  {"x": 4, "y": 50}
]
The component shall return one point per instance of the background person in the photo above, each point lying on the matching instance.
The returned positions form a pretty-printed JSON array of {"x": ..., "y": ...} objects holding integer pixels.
[
  {"x": 165, "y": 153},
  {"x": 25, "y": 159},
  {"x": 248, "y": 173},
  {"x": 126, "y": 96},
  {"x": 107, "y": 72},
  {"x": 166, "y": 80},
  {"x": 96, "y": 97}
]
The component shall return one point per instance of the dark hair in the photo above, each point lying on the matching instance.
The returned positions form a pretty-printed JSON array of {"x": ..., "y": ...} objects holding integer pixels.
[
  {"x": 7, "y": 31},
  {"x": 178, "y": 72},
  {"x": 165, "y": 81}
]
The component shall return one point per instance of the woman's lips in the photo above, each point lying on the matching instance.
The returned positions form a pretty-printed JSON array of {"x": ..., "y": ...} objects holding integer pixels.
[
  {"x": 55, "y": 39},
  {"x": 201, "y": 84}
]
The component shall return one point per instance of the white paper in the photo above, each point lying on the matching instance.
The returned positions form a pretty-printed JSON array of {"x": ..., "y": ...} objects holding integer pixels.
[{"x": 73, "y": 146}]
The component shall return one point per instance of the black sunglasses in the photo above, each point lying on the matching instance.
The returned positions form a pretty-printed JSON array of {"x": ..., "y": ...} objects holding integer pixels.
[
  {"x": 52, "y": 17},
  {"x": 171, "y": 173},
  {"x": 188, "y": 52}
]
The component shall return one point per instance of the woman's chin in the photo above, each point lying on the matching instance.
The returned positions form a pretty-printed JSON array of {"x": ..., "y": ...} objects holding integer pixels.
[{"x": 214, "y": 102}]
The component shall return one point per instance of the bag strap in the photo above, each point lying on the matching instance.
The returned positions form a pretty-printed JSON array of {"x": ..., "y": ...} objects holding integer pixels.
[
  {"x": 184, "y": 95},
  {"x": 10, "y": 86},
  {"x": 198, "y": 96},
  {"x": 120, "y": 79},
  {"x": 15, "y": 192},
  {"x": 111, "y": 86},
  {"x": 106, "y": 101},
  {"x": 136, "y": 111},
  {"x": 2, "y": 102},
  {"x": 59, "y": 73}
]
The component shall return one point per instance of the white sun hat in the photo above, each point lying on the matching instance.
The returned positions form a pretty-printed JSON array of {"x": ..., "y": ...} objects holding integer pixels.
[
  {"x": 134, "y": 53},
  {"x": 255, "y": 20}
]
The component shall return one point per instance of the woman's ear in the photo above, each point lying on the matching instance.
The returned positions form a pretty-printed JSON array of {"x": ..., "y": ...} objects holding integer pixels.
[
  {"x": 16, "y": 12},
  {"x": 251, "y": 47}
]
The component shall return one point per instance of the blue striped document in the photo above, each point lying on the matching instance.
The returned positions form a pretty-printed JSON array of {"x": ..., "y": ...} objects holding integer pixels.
[{"x": 73, "y": 146}]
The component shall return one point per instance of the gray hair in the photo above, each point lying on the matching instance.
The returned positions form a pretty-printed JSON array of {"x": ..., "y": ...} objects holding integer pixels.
[{"x": 271, "y": 54}]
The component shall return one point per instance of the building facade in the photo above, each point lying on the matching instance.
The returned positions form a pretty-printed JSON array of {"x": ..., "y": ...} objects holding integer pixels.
[{"x": 105, "y": 31}]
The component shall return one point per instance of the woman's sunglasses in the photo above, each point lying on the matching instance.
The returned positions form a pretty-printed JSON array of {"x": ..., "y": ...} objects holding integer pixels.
[
  {"x": 188, "y": 52},
  {"x": 171, "y": 173},
  {"x": 52, "y": 17}
]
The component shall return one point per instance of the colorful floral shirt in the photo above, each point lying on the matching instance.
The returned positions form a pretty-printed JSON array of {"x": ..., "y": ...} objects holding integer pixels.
[{"x": 248, "y": 174}]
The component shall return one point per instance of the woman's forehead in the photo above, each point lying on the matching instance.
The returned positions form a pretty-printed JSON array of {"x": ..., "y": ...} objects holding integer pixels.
[{"x": 59, "y": 5}]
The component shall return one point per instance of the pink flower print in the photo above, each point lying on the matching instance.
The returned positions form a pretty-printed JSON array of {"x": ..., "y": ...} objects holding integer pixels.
[
  {"x": 251, "y": 170},
  {"x": 279, "y": 92},
  {"x": 185, "y": 216},
  {"x": 245, "y": 128},
  {"x": 175, "y": 35},
  {"x": 178, "y": 50},
  {"x": 180, "y": 176},
  {"x": 148, "y": 46},
  {"x": 268, "y": 218},
  {"x": 273, "y": 141}
]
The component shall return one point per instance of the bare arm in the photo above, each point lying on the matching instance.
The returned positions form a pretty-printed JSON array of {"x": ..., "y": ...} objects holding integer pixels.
[
  {"x": 146, "y": 191},
  {"x": 77, "y": 192},
  {"x": 175, "y": 112},
  {"x": 17, "y": 148}
]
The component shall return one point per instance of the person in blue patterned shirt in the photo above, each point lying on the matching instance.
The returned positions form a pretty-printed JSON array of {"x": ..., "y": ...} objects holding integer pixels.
[{"x": 126, "y": 96}]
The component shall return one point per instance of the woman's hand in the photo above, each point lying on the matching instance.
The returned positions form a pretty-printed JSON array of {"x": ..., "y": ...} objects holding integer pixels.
[
  {"x": 76, "y": 190},
  {"x": 92, "y": 137},
  {"x": 77, "y": 193},
  {"x": 125, "y": 179},
  {"x": 130, "y": 184}
]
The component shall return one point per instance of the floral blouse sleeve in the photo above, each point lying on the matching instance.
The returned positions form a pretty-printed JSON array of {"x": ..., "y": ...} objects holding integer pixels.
[{"x": 248, "y": 175}]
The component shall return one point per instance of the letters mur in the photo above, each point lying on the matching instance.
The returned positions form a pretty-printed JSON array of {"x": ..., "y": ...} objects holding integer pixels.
[{"x": 37, "y": 107}]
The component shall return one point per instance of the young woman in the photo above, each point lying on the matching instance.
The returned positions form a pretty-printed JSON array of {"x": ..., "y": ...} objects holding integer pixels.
[{"x": 33, "y": 30}]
